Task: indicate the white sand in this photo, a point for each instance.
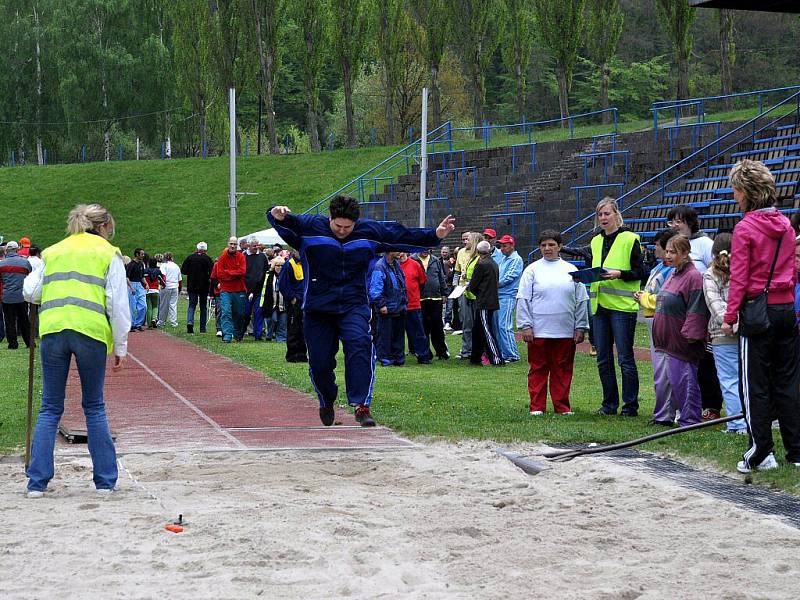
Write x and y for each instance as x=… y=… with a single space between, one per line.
x=441 y=521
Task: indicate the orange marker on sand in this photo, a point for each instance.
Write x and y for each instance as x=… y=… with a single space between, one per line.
x=173 y=528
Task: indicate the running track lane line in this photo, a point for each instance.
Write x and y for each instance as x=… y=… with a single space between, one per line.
x=217 y=427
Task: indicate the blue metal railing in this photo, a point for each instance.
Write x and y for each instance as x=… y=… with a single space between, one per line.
x=528 y=127
x=700 y=103
x=660 y=180
x=399 y=158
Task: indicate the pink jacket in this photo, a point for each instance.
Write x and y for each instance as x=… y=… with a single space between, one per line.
x=755 y=239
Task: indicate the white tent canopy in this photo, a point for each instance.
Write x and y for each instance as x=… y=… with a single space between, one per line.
x=268 y=237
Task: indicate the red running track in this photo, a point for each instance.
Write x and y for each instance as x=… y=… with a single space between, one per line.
x=173 y=396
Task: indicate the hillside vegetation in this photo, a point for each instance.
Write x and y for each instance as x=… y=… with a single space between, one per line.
x=171 y=205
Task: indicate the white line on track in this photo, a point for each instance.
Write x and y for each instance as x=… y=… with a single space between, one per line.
x=217 y=427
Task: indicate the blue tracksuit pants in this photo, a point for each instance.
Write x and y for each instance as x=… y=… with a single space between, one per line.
x=323 y=331
x=504 y=328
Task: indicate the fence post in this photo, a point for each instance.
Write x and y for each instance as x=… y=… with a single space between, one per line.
x=247 y=147
x=331 y=140
x=760 y=104
x=13 y=159
x=162 y=150
x=372 y=136
x=616 y=120
x=120 y=151
x=83 y=153
x=44 y=153
x=571 y=131
x=655 y=124
x=204 y=149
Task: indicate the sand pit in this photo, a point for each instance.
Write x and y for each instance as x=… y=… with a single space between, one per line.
x=439 y=521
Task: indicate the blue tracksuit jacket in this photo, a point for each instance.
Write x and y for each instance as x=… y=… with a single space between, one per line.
x=335 y=271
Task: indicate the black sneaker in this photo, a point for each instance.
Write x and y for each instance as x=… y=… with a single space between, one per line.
x=604 y=412
x=363 y=416
x=327 y=414
x=189 y=328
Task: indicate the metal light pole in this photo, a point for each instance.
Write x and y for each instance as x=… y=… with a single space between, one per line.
x=232 y=198
x=423 y=169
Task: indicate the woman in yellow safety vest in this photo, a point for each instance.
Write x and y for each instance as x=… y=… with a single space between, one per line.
x=614 y=307
x=84 y=312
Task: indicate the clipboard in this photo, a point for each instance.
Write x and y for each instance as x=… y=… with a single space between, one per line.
x=587 y=276
x=457 y=292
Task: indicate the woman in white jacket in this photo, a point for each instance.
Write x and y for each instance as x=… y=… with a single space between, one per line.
x=553 y=315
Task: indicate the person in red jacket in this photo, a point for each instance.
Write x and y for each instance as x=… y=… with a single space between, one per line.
x=415 y=280
x=230 y=270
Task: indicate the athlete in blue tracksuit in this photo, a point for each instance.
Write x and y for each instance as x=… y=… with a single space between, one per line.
x=335 y=253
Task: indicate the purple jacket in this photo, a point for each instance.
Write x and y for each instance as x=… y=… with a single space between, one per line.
x=681 y=319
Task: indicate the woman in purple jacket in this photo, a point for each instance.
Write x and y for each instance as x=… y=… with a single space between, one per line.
x=769 y=362
x=679 y=328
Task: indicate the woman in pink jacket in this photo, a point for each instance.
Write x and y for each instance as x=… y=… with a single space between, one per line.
x=770 y=361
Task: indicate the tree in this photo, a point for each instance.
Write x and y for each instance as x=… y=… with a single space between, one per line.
x=350 y=20
x=475 y=36
x=603 y=29
x=227 y=22
x=727 y=53
x=269 y=17
x=517 y=47
x=677 y=18
x=97 y=34
x=560 y=25
x=194 y=59
x=393 y=32
x=432 y=36
x=311 y=17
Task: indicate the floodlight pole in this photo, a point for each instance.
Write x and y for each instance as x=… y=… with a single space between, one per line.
x=423 y=168
x=232 y=199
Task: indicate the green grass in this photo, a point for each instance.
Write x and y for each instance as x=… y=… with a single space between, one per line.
x=171 y=205
x=14 y=399
x=451 y=400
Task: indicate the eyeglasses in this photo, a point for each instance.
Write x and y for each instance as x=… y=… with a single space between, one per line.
x=675 y=222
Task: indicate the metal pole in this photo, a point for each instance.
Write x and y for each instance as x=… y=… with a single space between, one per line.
x=232 y=170
x=31 y=358
x=423 y=171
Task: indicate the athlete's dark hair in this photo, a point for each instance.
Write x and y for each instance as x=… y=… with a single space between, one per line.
x=551 y=234
x=663 y=236
x=344 y=207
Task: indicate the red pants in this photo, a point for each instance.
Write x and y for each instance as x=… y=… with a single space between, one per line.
x=553 y=358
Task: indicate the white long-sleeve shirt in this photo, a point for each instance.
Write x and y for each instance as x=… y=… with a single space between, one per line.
x=117 y=308
x=550 y=302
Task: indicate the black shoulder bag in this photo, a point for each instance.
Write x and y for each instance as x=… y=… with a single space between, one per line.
x=753 y=317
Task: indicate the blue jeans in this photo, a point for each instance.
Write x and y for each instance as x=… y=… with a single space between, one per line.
x=232 y=315
x=138 y=304
x=90 y=355
x=196 y=298
x=504 y=328
x=726 y=358
x=278 y=320
x=616 y=328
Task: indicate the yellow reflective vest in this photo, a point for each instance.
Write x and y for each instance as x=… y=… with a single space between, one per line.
x=74 y=287
x=614 y=294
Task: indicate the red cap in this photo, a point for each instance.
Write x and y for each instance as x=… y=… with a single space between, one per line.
x=24 y=242
x=490 y=232
x=507 y=239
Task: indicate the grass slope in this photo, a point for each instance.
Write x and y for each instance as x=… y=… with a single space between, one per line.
x=171 y=205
